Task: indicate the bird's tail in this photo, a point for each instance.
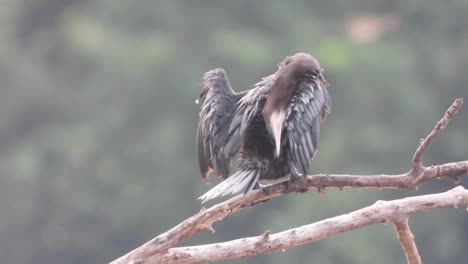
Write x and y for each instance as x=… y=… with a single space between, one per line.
x=241 y=180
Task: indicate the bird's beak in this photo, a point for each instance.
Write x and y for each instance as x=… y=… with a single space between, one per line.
x=276 y=127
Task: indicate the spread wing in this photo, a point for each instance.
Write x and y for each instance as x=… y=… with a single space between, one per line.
x=218 y=105
x=308 y=108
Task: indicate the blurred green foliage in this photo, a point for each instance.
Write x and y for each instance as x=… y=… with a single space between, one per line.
x=98 y=121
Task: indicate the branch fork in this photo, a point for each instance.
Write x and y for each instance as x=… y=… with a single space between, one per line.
x=161 y=249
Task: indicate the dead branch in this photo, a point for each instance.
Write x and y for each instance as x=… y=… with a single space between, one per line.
x=449 y=114
x=153 y=250
x=379 y=212
x=406 y=238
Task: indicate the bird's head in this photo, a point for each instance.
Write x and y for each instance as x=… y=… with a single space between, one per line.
x=302 y=67
x=294 y=70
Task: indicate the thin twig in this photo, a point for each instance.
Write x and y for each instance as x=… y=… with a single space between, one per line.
x=449 y=114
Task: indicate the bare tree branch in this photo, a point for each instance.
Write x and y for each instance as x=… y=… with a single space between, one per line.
x=406 y=238
x=379 y=212
x=153 y=250
x=206 y=217
x=449 y=114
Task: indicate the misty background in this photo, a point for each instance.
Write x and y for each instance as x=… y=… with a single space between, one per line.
x=98 y=120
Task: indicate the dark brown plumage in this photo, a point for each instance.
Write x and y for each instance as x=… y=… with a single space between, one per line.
x=299 y=67
x=275 y=125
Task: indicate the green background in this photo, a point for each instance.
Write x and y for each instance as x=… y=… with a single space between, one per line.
x=98 y=120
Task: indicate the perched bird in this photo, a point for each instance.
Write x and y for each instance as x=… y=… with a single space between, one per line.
x=275 y=126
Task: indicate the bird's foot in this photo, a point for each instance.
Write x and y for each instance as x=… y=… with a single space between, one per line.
x=288 y=185
x=293 y=182
x=265 y=188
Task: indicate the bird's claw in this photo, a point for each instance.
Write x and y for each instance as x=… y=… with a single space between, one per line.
x=265 y=189
x=290 y=183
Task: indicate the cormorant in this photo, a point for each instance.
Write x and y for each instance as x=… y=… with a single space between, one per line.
x=275 y=126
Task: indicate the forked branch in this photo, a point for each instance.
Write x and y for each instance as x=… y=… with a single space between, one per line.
x=160 y=249
x=379 y=212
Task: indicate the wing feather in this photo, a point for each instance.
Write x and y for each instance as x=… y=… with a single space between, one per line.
x=247 y=108
x=304 y=117
x=218 y=104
